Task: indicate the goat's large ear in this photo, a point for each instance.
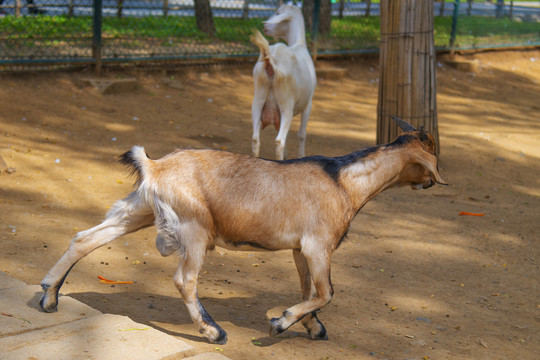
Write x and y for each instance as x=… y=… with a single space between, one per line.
x=405 y=126
x=429 y=162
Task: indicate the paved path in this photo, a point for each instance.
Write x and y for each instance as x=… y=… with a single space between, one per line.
x=77 y=331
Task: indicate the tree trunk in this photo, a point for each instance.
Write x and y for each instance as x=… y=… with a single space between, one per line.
x=325 y=19
x=499 y=9
x=441 y=10
x=245 y=10
x=325 y=16
x=407 y=86
x=203 y=15
x=165 y=8
x=119 y=8
x=307 y=10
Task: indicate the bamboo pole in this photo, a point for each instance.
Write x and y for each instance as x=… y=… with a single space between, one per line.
x=407 y=87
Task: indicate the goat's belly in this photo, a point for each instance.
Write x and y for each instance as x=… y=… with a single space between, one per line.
x=256 y=246
x=240 y=246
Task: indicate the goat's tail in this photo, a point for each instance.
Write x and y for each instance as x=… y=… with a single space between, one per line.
x=264 y=47
x=137 y=160
x=166 y=220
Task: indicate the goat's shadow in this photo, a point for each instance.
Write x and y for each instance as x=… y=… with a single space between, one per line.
x=152 y=309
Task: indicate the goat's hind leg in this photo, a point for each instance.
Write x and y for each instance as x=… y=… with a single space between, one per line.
x=259 y=99
x=315 y=328
x=285 y=125
x=302 y=131
x=186 y=278
x=126 y=216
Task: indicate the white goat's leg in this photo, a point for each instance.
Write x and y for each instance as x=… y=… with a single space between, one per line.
x=125 y=217
x=318 y=262
x=302 y=131
x=281 y=139
x=259 y=99
x=185 y=280
x=314 y=327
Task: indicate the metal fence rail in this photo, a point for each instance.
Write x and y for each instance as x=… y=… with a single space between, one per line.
x=61 y=32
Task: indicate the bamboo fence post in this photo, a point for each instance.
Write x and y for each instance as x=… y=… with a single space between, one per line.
x=407 y=86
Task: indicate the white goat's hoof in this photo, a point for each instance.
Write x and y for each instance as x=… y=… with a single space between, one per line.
x=49 y=299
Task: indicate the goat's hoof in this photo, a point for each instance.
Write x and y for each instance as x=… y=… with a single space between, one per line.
x=275 y=327
x=49 y=307
x=318 y=331
x=222 y=338
x=216 y=335
x=49 y=299
x=318 y=335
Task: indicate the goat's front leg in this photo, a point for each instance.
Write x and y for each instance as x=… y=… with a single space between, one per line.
x=318 y=263
x=314 y=327
x=303 y=130
x=126 y=216
x=185 y=280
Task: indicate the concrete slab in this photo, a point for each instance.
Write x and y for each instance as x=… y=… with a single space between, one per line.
x=103 y=337
x=20 y=311
x=7 y=281
x=463 y=64
x=208 y=356
x=172 y=83
x=112 y=86
x=330 y=73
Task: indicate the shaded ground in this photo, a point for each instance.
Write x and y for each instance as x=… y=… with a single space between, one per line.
x=414 y=280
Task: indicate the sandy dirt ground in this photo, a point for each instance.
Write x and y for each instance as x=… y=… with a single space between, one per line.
x=414 y=279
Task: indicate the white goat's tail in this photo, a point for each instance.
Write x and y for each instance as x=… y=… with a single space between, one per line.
x=137 y=160
x=264 y=47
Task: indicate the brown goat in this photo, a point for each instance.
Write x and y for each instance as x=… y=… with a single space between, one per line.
x=199 y=199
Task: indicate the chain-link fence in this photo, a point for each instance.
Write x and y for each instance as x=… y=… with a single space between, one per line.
x=61 y=32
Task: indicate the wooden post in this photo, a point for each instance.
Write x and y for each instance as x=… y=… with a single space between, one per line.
x=96 y=38
x=407 y=86
x=453 y=32
x=315 y=30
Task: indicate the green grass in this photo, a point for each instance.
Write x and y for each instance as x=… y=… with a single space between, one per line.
x=350 y=33
x=485 y=31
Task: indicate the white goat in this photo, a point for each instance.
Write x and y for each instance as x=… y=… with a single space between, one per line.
x=284 y=80
x=199 y=199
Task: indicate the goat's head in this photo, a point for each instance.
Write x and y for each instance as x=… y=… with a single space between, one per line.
x=420 y=171
x=277 y=25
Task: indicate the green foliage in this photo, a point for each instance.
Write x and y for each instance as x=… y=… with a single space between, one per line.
x=45 y=27
x=350 y=33
x=474 y=31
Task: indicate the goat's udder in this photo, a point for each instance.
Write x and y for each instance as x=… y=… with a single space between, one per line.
x=270 y=115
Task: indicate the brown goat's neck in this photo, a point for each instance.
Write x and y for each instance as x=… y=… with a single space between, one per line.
x=369 y=176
